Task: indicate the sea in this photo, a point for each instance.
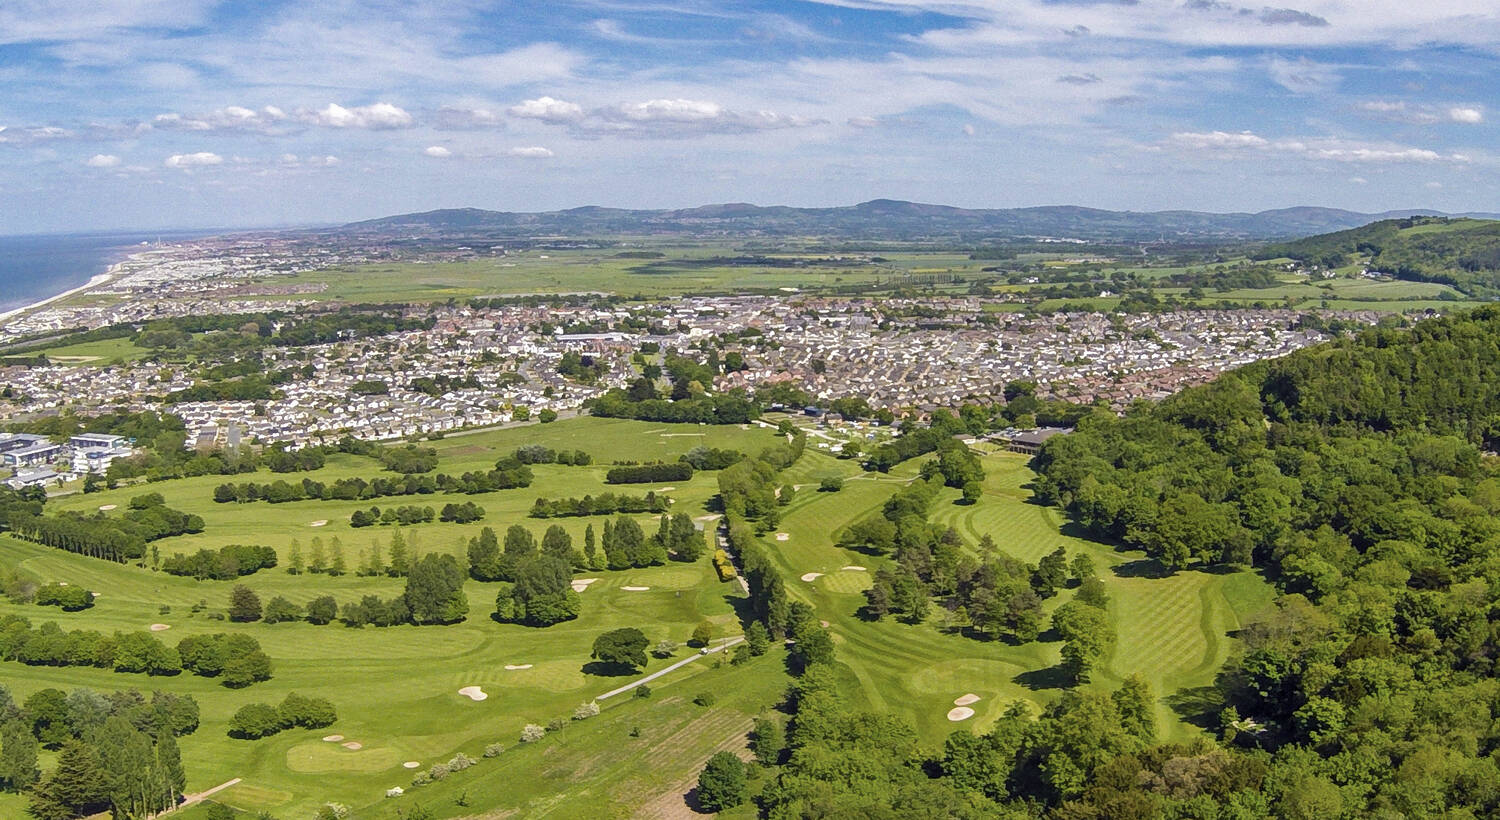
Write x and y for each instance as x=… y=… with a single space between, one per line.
x=33 y=268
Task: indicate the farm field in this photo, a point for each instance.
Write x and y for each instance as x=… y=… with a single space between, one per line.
x=397 y=689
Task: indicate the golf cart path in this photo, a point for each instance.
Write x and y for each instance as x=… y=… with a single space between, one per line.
x=684 y=662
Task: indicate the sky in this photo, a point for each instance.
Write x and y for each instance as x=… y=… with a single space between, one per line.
x=147 y=114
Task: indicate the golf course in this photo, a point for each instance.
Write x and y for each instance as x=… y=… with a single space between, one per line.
x=408 y=697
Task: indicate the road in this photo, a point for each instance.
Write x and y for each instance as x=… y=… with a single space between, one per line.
x=684 y=662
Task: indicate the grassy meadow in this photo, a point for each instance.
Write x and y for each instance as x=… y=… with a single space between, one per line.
x=396 y=689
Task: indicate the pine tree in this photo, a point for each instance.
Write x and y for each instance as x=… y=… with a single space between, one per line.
x=1134 y=700
x=377 y=561
x=294 y=563
x=76 y=787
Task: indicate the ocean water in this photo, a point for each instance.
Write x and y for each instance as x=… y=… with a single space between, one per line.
x=33 y=268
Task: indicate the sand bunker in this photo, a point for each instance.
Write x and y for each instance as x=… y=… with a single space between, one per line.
x=473 y=693
x=106 y=507
x=852 y=568
x=824 y=623
x=412 y=764
x=781 y=536
x=965 y=700
x=319 y=523
x=333 y=738
x=958 y=713
x=353 y=745
x=159 y=627
x=666 y=489
x=812 y=576
x=581 y=584
x=514 y=666
x=635 y=589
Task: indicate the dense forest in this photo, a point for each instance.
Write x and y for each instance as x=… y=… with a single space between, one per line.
x=1359 y=476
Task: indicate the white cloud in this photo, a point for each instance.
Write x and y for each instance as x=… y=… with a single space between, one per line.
x=1422 y=113
x=26 y=136
x=229 y=118
x=192 y=160
x=1359 y=180
x=968 y=129
x=864 y=122
x=1468 y=116
x=377 y=117
x=1319 y=148
x=530 y=151
x=547 y=109
x=437 y=151
x=451 y=118
x=102 y=161
x=1219 y=140
x=659 y=117
x=1433 y=186
x=311 y=161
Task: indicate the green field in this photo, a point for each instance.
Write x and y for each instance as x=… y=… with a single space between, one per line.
x=95 y=353
x=396 y=689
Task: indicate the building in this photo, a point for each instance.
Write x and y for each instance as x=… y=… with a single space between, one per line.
x=33 y=454
x=39 y=478
x=17 y=441
x=1031 y=441
x=99 y=441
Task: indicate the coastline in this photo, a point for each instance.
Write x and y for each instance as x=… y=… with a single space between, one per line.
x=100 y=279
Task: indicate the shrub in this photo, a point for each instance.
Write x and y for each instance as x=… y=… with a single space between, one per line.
x=642 y=691
x=556 y=724
x=420 y=779
x=586 y=710
x=532 y=733
x=460 y=762
x=705 y=699
x=494 y=749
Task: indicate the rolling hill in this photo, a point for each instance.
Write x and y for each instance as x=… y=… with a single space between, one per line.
x=876 y=219
x=1462 y=253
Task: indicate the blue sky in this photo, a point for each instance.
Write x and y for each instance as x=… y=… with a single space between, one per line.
x=189 y=113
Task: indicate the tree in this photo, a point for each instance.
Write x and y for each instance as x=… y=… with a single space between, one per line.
x=1137 y=708
x=703 y=633
x=1082 y=567
x=318 y=562
x=17 y=756
x=75 y=788
x=722 y=784
x=336 y=564
x=484 y=557
x=621 y=647
x=400 y=562
x=1051 y=573
x=435 y=590
x=294 y=559
x=255 y=720
x=244 y=604
x=279 y=609
x=1086 y=635
x=830 y=484
x=557 y=543
x=767 y=740
x=322 y=610
x=243 y=670
x=589 y=549
x=972 y=491
x=757 y=638
x=811 y=644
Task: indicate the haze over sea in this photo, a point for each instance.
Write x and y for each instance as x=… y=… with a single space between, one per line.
x=33 y=268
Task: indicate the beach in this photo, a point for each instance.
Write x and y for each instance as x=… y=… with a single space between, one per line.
x=103 y=278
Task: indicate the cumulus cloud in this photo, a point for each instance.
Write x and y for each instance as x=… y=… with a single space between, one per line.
x=102 y=161
x=1321 y=148
x=548 y=110
x=377 y=117
x=437 y=151
x=193 y=160
x=530 y=151
x=229 y=118
x=1468 y=116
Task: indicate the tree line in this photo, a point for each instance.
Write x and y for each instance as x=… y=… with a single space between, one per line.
x=237 y=660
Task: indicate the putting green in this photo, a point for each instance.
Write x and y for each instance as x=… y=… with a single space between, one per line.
x=317 y=757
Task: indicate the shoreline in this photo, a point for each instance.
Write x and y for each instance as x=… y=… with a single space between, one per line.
x=99 y=279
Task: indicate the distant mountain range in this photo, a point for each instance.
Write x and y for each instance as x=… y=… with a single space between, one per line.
x=882 y=219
